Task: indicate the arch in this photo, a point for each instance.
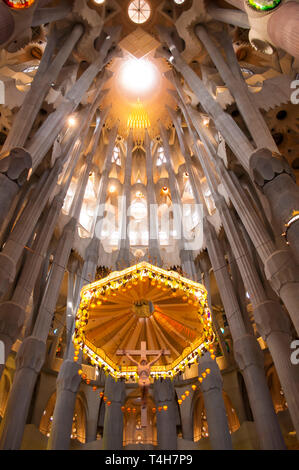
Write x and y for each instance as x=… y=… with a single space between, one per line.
x=200 y=423
x=79 y=419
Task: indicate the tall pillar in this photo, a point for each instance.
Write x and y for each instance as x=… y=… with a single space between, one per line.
x=67 y=385
x=211 y=388
x=231 y=75
x=68 y=380
x=48 y=304
x=275 y=179
x=186 y=254
x=46 y=74
x=29 y=361
x=282 y=28
x=113 y=423
x=281 y=174
x=166 y=420
x=249 y=357
x=152 y=213
x=280 y=268
x=268 y=314
x=124 y=249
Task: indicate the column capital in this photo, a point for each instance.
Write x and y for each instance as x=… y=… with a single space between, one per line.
x=248 y=352
x=68 y=377
x=163 y=391
x=281 y=269
x=266 y=166
x=31 y=354
x=12 y=317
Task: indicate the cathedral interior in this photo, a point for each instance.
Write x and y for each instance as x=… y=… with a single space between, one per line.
x=149 y=205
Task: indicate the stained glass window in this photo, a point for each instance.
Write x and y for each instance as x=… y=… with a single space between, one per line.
x=139 y=11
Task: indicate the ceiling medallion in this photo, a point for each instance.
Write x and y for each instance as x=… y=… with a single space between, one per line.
x=139 y=11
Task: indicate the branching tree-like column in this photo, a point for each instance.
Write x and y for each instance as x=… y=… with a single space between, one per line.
x=272 y=174
x=164 y=394
x=280 y=267
x=17 y=164
x=211 y=388
x=68 y=380
x=124 y=249
x=46 y=75
x=247 y=351
x=271 y=319
x=152 y=214
x=113 y=423
x=43 y=322
x=186 y=254
x=232 y=76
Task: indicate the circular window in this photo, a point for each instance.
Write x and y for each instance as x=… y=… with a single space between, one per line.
x=264 y=5
x=139 y=11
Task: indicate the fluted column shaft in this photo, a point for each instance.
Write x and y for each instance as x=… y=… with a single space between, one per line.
x=124 y=249
x=231 y=75
x=47 y=74
x=280 y=268
x=211 y=388
x=247 y=351
x=166 y=420
x=113 y=423
x=152 y=213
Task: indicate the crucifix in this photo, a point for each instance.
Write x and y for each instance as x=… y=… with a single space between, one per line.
x=143 y=371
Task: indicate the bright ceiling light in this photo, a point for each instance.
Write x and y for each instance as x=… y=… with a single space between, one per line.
x=138 y=76
x=71 y=121
x=99 y=2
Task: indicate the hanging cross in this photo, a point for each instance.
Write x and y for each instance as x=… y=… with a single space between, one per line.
x=143 y=370
x=143 y=352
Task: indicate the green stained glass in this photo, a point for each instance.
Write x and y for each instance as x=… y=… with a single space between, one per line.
x=264 y=5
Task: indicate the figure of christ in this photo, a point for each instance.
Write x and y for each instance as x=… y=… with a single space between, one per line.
x=143 y=369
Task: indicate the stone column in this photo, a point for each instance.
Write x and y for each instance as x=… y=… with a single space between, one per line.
x=234 y=17
x=280 y=268
x=46 y=74
x=113 y=424
x=124 y=249
x=269 y=315
x=29 y=361
x=49 y=15
x=249 y=357
x=211 y=388
x=275 y=179
x=231 y=75
x=14 y=246
x=166 y=420
x=239 y=143
x=48 y=303
x=68 y=382
x=282 y=28
x=152 y=213
x=186 y=254
x=68 y=379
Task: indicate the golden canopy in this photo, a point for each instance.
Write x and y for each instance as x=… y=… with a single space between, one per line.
x=148 y=304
